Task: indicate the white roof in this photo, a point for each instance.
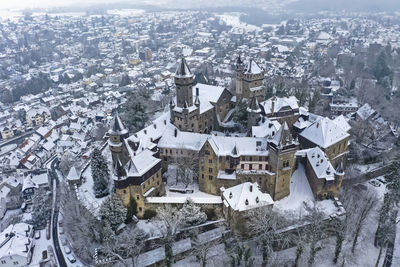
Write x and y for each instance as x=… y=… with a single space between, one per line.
x=365 y=111
x=73 y=174
x=267 y=128
x=252 y=68
x=324 y=133
x=141 y=163
x=17 y=244
x=207 y=94
x=275 y=104
x=246 y=196
x=252 y=146
x=341 y=121
x=183 y=140
x=323 y=169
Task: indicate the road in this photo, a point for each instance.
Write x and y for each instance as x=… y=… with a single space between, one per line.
x=17 y=139
x=54 y=221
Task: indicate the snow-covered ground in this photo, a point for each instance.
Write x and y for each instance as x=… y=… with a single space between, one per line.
x=300 y=193
x=86 y=192
x=233 y=19
x=41 y=245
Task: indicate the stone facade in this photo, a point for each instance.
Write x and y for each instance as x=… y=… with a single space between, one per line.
x=249 y=80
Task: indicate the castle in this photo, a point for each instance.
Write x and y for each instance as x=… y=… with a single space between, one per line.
x=281 y=135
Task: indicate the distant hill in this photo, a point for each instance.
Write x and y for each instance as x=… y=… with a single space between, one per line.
x=309 y=6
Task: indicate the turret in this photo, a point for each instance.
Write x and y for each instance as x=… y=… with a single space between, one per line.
x=253 y=113
x=184 y=83
x=117 y=134
x=239 y=71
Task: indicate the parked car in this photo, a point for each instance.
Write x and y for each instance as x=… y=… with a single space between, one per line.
x=63 y=241
x=71 y=258
x=67 y=249
x=37 y=234
x=374 y=183
x=382 y=180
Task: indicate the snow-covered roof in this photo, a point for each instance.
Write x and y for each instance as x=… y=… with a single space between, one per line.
x=252 y=68
x=365 y=111
x=182 y=70
x=117 y=127
x=275 y=104
x=320 y=163
x=324 y=133
x=141 y=163
x=226 y=145
x=341 y=121
x=246 y=196
x=182 y=140
x=267 y=128
x=17 y=243
x=73 y=174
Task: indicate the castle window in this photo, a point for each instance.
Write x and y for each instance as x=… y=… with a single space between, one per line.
x=140 y=208
x=202 y=168
x=202 y=176
x=137 y=197
x=209 y=169
x=207 y=152
x=266 y=167
x=158 y=182
x=124 y=191
x=210 y=161
x=250 y=166
x=251 y=158
x=210 y=177
x=260 y=166
x=242 y=166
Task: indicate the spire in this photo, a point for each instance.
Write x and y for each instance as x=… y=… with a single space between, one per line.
x=171 y=103
x=117 y=127
x=283 y=137
x=183 y=69
x=197 y=99
x=239 y=60
x=235 y=151
x=254 y=106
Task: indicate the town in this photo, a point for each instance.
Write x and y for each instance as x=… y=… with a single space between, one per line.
x=178 y=138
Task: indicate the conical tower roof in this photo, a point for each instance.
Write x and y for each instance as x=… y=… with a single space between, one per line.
x=183 y=69
x=117 y=127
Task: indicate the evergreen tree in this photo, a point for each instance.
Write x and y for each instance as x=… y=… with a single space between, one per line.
x=113 y=211
x=135 y=116
x=41 y=208
x=191 y=214
x=100 y=173
x=131 y=210
x=240 y=114
x=125 y=80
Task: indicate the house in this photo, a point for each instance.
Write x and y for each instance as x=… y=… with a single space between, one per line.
x=32 y=182
x=239 y=200
x=74 y=177
x=16 y=245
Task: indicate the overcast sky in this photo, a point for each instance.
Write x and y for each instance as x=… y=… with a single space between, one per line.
x=18 y=4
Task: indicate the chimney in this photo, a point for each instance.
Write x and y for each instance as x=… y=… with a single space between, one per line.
x=317 y=124
x=155 y=126
x=145 y=131
x=251 y=188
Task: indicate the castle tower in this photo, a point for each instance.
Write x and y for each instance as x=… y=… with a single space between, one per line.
x=281 y=158
x=117 y=134
x=239 y=71
x=252 y=81
x=253 y=113
x=184 y=83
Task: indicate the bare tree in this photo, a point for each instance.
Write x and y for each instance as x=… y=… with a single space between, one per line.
x=315 y=229
x=201 y=250
x=169 y=219
x=186 y=169
x=126 y=247
x=81 y=227
x=358 y=206
x=264 y=225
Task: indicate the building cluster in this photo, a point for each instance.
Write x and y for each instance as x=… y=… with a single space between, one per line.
x=263 y=161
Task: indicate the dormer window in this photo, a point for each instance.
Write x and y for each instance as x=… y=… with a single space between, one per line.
x=257 y=200
x=230 y=195
x=246 y=202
